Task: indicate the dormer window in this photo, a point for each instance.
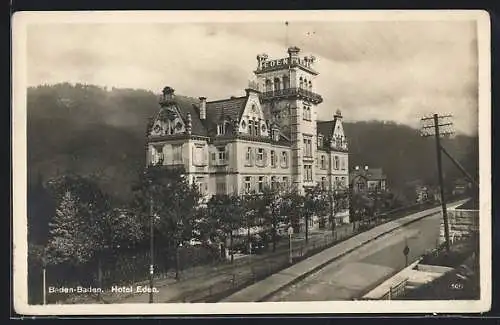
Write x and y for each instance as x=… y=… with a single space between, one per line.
x=320 y=140
x=220 y=129
x=275 y=134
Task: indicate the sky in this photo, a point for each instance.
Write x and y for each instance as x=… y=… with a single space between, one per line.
x=393 y=70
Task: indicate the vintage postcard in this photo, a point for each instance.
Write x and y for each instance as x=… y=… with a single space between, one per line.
x=251 y=162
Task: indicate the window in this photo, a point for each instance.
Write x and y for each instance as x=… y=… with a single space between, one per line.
x=310 y=85
x=220 y=187
x=285 y=181
x=273 y=158
x=248 y=184
x=361 y=185
x=221 y=155
x=199 y=156
x=156 y=156
x=261 y=184
x=301 y=83
x=248 y=157
x=286 y=82
x=307 y=173
x=274 y=183
x=275 y=135
x=338 y=142
x=201 y=184
x=269 y=85
x=343 y=182
x=277 y=85
x=320 y=141
x=307 y=146
x=307 y=113
x=323 y=183
x=336 y=162
x=221 y=129
x=284 y=159
x=323 y=162
x=250 y=127
x=336 y=182
x=260 y=154
x=177 y=153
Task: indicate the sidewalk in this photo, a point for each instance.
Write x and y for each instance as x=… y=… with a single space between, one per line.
x=262 y=290
x=200 y=281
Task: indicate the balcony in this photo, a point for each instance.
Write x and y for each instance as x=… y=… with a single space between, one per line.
x=292 y=92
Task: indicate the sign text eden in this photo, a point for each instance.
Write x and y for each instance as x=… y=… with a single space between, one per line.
x=278 y=62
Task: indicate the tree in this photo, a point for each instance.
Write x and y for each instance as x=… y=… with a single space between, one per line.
x=225 y=215
x=291 y=207
x=270 y=202
x=250 y=204
x=313 y=204
x=165 y=197
x=68 y=236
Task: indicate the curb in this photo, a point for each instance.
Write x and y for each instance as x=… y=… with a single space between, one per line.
x=322 y=265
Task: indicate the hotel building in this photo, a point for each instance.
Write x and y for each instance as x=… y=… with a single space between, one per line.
x=269 y=137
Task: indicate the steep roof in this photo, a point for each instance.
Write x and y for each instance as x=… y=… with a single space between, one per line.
x=326 y=127
x=372 y=174
x=231 y=108
x=191 y=105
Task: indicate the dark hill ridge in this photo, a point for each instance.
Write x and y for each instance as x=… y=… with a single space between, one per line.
x=87 y=129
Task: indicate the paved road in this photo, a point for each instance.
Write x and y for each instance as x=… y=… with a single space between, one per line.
x=353 y=275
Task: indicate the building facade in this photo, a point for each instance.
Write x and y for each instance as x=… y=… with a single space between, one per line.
x=268 y=137
x=368 y=180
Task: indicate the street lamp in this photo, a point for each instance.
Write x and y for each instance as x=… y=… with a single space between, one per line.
x=290 y=233
x=177 y=260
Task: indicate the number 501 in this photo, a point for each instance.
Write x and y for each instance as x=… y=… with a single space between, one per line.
x=456 y=286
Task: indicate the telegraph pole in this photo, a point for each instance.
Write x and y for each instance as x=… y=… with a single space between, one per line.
x=433 y=129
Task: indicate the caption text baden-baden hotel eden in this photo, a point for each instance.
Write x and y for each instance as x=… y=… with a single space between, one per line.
x=268 y=137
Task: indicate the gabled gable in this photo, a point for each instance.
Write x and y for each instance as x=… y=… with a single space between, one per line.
x=168 y=121
x=253 y=115
x=181 y=107
x=338 y=130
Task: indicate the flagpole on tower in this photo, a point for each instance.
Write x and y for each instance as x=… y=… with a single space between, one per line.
x=286 y=34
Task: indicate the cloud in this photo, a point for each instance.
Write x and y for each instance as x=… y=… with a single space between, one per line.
x=383 y=70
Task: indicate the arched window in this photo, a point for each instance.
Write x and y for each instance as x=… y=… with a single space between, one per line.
x=250 y=127
x=277 y=84
x=305 y=84
x=336 y=162
x=269 y=85
x=310 y=85
x=286 y=82
x=301 y=83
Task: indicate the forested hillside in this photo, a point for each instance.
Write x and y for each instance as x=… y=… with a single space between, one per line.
x=85 y=129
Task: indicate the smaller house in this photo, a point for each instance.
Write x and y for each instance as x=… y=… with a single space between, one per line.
x=368 y=180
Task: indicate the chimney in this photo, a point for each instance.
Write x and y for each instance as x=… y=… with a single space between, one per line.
x=203 y=108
